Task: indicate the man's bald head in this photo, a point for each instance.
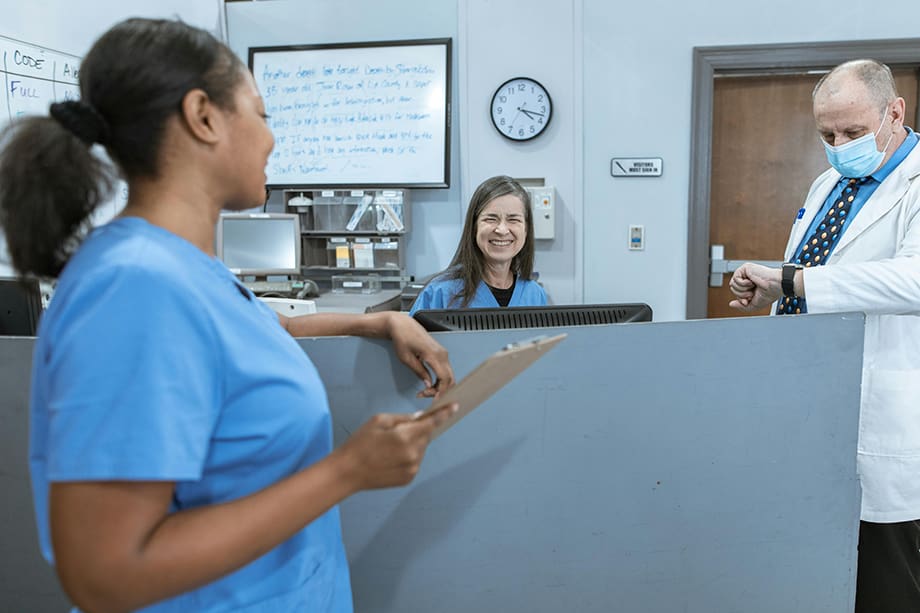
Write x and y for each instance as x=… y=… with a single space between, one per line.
x=874 y=77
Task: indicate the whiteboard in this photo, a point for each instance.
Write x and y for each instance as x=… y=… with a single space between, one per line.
x=34 y=77
x=357 y=115
x=59 y=29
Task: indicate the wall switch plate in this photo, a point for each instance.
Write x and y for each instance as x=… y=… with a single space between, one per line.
x=543 y=205
x=636 y=238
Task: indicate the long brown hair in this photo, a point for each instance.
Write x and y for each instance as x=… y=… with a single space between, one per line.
x=468 y=262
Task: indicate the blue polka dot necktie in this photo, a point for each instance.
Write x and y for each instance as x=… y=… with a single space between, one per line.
x=819 y=245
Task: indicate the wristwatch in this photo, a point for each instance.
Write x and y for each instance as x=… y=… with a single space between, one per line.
x=788 y=282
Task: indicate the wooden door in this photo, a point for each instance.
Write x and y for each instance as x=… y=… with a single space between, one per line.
x=765 y=155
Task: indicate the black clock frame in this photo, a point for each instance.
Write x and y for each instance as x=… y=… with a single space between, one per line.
x=549 y=117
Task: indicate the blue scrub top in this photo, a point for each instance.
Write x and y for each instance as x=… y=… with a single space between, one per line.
x=443 y=293
x=153 y=363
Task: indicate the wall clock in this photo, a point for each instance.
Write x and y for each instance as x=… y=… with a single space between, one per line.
x=521 y=109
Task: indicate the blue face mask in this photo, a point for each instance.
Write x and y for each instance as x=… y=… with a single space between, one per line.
x=857 y=158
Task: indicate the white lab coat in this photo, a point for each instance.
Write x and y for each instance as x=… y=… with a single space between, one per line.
x=875 y=268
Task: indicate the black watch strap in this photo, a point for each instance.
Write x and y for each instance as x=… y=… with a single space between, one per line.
x=788 y=282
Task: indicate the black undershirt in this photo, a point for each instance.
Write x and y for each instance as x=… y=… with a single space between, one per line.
x=503 y=296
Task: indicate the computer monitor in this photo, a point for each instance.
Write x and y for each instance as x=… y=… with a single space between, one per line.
x=437 y=320
x=20 y=307
x=259 y=244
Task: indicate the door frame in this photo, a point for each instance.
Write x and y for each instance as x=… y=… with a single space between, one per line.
x=755 y=60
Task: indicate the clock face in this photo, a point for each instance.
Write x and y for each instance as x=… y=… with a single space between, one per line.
x=521 y=109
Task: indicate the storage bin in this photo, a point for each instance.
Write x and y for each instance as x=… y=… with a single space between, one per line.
x=386 y=253
x=338 y=253
x=355 y=284
x=362 y=253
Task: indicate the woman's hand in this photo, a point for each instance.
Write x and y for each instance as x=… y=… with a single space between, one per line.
x=388 y=449
x=413 y=345
x=420 y=352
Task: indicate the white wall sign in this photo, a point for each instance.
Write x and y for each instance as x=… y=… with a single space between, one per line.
x=635 y=167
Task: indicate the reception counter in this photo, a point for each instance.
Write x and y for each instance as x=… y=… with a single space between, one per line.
x=651 y=467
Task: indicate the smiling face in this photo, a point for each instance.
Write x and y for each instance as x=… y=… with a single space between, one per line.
x=501 y=230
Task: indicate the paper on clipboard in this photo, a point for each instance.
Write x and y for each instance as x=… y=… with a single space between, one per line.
x=490 y=376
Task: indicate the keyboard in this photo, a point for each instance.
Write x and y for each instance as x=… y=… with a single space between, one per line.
x=271 y=287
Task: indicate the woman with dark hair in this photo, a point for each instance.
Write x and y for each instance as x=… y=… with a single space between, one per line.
x=181 y=447
x=494 y=261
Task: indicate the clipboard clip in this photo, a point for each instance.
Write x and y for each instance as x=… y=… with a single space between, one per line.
x=491 y=375
x=531 y=341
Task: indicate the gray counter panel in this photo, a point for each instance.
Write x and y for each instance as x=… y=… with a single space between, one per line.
x=27 y=583
x=637 y=467
x=642 y=467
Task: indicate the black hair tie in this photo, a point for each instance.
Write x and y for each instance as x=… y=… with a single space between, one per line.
x=82 y=120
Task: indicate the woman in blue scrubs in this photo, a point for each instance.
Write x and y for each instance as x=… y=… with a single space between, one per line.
x=494 y=261
x=181 y=447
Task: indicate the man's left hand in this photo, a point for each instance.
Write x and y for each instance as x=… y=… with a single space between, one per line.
x=755 y=287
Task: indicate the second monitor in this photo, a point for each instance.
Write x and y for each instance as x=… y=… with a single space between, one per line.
x=260 y=244
x=20 y=307
x=255 y=246
x=435 y=320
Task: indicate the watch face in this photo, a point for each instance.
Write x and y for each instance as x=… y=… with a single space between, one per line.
x=521 y=109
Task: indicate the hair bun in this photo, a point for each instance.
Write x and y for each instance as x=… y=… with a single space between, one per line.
x=82 y=120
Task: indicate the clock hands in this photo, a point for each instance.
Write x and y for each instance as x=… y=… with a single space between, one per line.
x=511 y=112
x=530 y=113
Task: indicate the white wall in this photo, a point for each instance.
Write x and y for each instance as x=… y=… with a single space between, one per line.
x=72 y=25
x=480 y=32
x=502 y=40
x=637 y=95
x=620 y=76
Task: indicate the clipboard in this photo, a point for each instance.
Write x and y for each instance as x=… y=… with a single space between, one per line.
x=490 y=376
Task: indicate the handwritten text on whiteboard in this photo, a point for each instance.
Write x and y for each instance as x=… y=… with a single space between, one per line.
x=356 y=115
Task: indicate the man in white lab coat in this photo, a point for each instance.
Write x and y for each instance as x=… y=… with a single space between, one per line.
x=856 y=247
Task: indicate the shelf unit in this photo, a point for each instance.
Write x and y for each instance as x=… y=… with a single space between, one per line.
x=357 y=233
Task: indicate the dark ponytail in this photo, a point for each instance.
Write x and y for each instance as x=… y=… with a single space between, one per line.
x=50 y=182
x=131 y=82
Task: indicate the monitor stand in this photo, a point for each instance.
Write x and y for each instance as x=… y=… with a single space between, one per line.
x=261 y=286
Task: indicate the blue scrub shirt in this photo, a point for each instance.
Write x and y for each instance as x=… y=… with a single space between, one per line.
x=442 y=294
x=153 y=363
